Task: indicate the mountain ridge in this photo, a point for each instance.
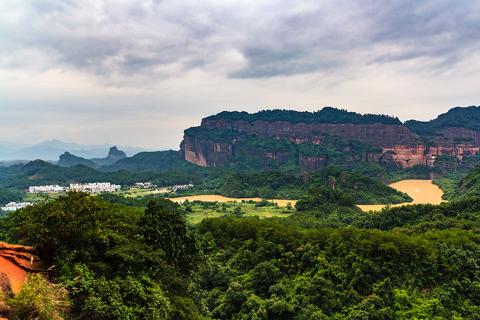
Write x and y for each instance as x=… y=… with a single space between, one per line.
x=49 y=150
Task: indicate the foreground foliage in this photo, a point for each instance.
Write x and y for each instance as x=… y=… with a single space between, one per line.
x=116 y=262
x=326 y=261
x=40 y=300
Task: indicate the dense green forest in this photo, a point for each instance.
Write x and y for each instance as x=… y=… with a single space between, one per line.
x=463 y=186
x=323 y=262
x=281 y=185
x=225 y=181
x=8 y=195
x=325 y=115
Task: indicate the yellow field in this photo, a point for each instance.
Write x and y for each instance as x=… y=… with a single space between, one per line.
x=421 y=191
x=218 y=198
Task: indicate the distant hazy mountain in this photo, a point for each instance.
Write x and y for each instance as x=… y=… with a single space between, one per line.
x=51 y=149
x=113 y=156
x=69 y=160
x=151 y=161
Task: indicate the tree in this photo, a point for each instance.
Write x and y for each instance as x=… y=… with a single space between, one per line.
x=163 y=227
x=237 y=211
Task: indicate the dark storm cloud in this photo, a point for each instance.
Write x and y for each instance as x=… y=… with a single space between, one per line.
x=273 y=38
x=381 y=31
x=446 y=30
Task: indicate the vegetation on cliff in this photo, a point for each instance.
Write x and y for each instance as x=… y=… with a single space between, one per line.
x=464 y=186
x=250 y=152
x=325 y=115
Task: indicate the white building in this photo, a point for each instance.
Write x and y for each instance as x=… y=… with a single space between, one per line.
x=177 y=187
x=95 y=187
x=45 y=189
x=13 y=206
x=144 y=185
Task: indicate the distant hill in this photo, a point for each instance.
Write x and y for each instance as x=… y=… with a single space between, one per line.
x=151 y=161
x=113 y=156
x=458 y=117
x=39 y=172
x=69 y=160
x=49 y=150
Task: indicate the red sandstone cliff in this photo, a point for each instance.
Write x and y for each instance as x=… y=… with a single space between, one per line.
x=15 y=262
x=376 y=134
x=396 y=142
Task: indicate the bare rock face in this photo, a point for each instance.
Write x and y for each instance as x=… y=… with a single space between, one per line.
x=16 y=262
x=206 y=153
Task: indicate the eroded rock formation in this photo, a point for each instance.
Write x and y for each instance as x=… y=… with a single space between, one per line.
x=16 y=262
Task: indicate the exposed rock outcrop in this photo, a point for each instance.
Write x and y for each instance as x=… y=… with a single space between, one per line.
x=16 y=262
x=206 y=153
x=114 y=154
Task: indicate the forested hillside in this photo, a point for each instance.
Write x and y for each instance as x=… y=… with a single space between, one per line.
x=467 y=117
x=416 y=262
x=281 y=185
x=39 y=172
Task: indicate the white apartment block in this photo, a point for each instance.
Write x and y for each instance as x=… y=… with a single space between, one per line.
x=177 y=187
x=13 y=206
x=46 y=189
x=144 y=185
x=95 y=187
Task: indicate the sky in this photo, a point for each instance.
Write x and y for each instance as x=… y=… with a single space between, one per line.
x=139 y=72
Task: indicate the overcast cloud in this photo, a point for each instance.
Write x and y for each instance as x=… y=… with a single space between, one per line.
x=139 y=72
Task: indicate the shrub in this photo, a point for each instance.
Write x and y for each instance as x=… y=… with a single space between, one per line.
x=40 y=300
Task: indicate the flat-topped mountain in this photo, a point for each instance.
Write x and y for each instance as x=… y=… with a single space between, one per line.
x=313 y=140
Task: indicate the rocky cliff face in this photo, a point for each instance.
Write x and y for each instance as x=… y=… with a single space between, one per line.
x=376 y=134
x=16 y=262
x=206 y=153
x=394 y=142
